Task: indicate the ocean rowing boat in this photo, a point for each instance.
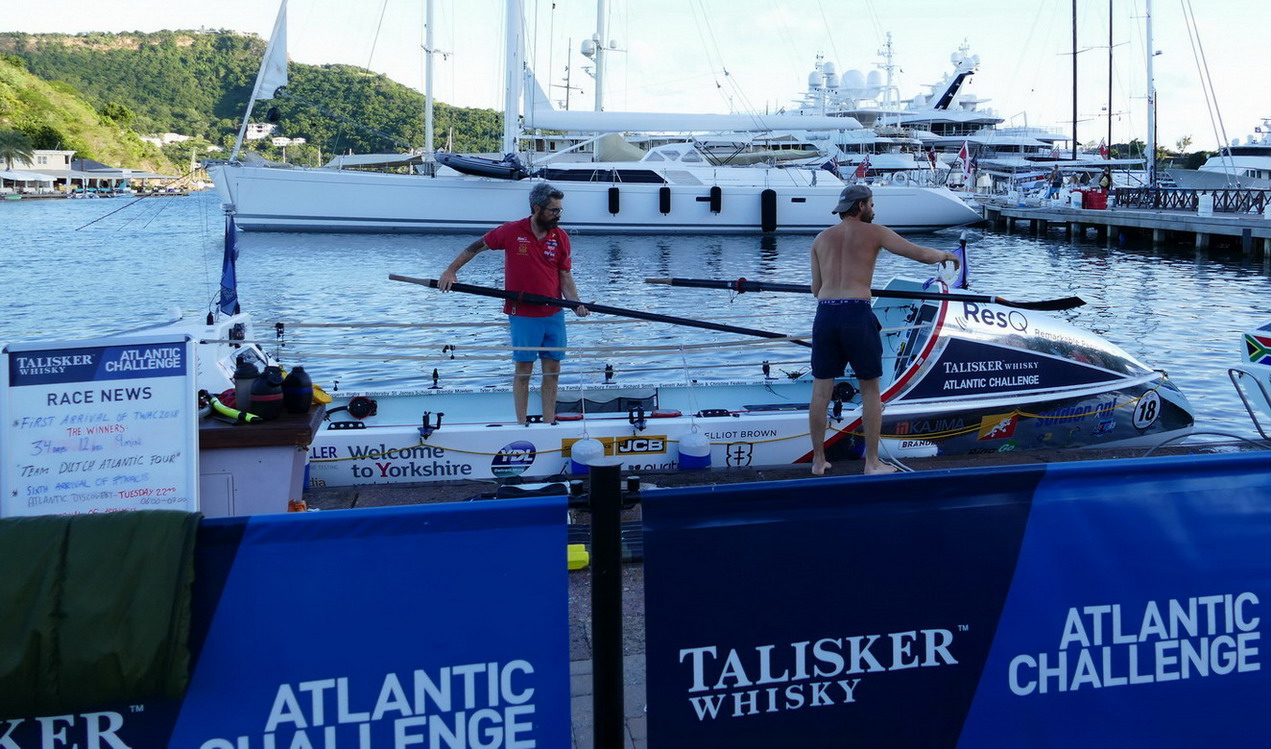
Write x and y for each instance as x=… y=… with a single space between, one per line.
x=961 y=377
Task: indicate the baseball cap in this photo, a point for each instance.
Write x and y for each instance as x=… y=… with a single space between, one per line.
x=850 y=195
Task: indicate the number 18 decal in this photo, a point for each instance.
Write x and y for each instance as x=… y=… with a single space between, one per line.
x=1147 y=410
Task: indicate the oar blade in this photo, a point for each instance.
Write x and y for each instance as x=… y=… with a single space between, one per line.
x=1045 y=305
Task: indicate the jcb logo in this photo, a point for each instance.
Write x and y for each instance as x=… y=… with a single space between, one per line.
x=639 y=445
x=623 y=445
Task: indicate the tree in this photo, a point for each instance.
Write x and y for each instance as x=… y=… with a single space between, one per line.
x=15 y=146
x=1184 y=143
x=117 y=113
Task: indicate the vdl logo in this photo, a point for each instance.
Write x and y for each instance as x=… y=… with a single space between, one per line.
x=513 y=459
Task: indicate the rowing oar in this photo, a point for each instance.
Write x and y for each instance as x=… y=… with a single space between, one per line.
x=528 y=298
x=742 y=285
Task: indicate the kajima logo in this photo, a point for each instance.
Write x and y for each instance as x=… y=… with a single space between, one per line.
x=513 y=459
x=735 y=683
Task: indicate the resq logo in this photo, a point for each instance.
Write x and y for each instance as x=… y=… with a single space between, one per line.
x=513 y=459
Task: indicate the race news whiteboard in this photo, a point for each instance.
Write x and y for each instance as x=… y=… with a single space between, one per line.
x=100 y=425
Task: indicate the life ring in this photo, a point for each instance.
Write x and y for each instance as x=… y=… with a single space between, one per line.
x=900 y=178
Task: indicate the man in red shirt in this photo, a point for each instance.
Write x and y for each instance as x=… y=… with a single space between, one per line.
x=536 y=259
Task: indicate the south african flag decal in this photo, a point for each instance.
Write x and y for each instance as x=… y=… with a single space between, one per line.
x=1258 y=349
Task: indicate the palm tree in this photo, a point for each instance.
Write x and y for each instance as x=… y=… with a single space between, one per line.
x=15 y=145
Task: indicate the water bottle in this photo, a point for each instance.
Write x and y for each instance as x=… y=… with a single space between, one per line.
x=297 y=391
x=266 y=400
x=244 y=377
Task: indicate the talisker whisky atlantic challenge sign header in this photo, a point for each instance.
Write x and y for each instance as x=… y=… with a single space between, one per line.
x=98 y=426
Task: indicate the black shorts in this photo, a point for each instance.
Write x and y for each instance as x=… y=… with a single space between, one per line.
x=846 y=332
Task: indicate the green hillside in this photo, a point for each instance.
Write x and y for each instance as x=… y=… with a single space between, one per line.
x=198 y=83
x=55 y=116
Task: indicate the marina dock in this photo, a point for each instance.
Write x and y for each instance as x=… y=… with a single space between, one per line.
x=1162 y=216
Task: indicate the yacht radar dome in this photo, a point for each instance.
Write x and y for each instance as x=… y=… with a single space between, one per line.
x=854 y=80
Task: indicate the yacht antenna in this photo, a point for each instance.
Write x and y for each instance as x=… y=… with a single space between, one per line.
x=889 y=67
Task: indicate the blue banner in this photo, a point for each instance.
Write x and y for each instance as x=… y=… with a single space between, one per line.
x=67 y=365
x=436 y=625
x=1101 y=603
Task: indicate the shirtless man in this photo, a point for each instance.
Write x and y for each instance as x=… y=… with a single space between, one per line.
x=845 y=330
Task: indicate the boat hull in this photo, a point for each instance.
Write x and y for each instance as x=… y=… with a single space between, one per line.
x=330 y=200
x=763 y=434
x=1212 y=179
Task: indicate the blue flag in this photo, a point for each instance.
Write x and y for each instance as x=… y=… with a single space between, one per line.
x=229 y=278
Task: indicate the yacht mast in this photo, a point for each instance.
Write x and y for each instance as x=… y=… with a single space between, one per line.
x=429 y=50
x=1109 y=141
x=602 y=12
x=1074 y=80
x=891 y=96
x=512 y=75
x=1151 y=104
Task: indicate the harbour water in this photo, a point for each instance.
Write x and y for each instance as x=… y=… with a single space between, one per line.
x=79 y=269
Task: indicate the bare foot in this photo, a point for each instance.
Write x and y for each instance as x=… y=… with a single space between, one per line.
x=819 y=467
x=881 y=468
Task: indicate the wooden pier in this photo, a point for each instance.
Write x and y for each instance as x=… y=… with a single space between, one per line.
x=1178 y=220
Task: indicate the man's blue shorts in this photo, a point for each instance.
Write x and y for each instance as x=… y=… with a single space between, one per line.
x=844 y=332
x=538 y=331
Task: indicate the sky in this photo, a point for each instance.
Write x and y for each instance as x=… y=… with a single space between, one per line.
x=755 y=55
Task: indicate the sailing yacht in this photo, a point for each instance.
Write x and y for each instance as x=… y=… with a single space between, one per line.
x=671 y=188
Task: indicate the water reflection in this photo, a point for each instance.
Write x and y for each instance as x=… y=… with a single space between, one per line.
x=1172 y=307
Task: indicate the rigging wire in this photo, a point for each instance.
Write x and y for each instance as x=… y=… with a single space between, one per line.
x=1206 y=82
x=834 y=47
x=375 y=39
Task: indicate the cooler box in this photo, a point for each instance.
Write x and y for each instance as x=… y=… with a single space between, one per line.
x=1094 y=199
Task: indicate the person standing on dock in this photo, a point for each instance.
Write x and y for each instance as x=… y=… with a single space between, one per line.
x=536 y=260
x=845 y=329
x=1056 y=183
